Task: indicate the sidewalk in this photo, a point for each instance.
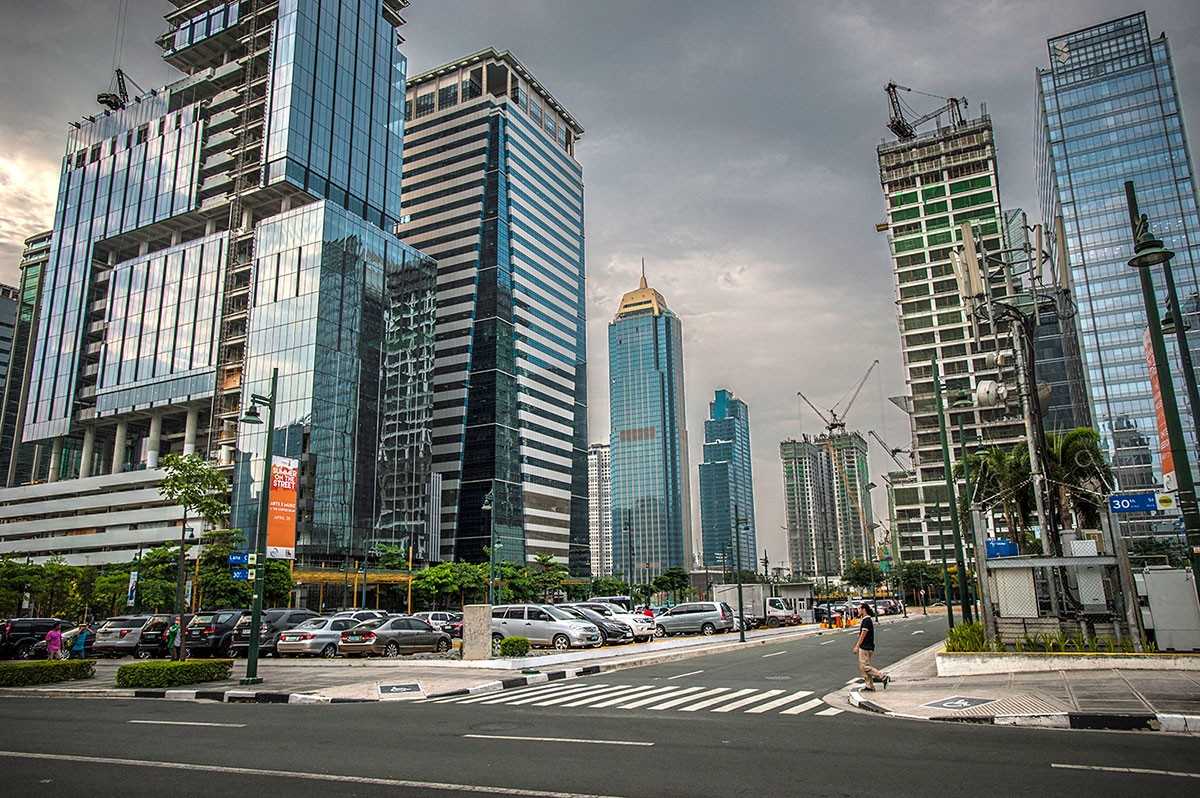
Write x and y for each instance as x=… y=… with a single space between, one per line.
x=1097 y=699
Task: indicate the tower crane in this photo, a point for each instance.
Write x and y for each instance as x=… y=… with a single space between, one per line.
x=834 y=422
x=892 y=451
x=906 y=130
x=117 y=100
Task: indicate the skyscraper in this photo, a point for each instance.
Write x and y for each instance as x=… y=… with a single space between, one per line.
x=727 y=485
x=1108 y=111
x=651 y=501
x=18 y=460
x=933 y=182
x=827 y=502
x=600 y=509
x=231 y=222
x=493 y=192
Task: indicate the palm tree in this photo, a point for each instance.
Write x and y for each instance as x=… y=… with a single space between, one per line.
x=1001 y=476
x=1080 y=474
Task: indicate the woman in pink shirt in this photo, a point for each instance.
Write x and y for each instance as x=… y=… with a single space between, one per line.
x=54 y=642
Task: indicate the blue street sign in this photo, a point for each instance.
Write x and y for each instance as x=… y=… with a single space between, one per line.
x=241 y=573
x=239 y=559
x=1133 y=503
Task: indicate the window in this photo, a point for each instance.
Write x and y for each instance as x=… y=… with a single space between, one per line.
x=447 y=96
x=425 y=105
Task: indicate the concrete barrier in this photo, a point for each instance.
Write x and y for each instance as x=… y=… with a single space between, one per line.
x=964 y=663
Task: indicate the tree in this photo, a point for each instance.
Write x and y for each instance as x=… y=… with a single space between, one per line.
x=1081 y=476
x=859 y=574
x=674 y=580
x=915 y=575
x=218 y=589
x=196 y=486
x=1001 y=476
x=609 y=586
x=548 y=577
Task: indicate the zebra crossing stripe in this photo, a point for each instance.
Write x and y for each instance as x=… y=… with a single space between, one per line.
x=754 y=699
x=573 y=691
x=644 y=691
x=655 y=695
x=717 y=700
x=508 y=695
x=807 y=705
x=627 y=692
x=458 y=699
x=598 y=689
x=780 y=702
x=674 y=702
x=828 y=713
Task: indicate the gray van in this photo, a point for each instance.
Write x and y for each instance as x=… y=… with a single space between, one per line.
x=704 y=617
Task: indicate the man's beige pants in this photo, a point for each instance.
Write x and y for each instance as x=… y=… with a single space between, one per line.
x=864 y=666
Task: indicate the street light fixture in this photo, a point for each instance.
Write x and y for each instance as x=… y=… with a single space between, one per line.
x=489 y=505
x=251 y=416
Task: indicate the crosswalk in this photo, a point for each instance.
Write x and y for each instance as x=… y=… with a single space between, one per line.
x=651 y=697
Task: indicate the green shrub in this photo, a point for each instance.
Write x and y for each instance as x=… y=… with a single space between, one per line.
x=24 y=674
x=173 y=674
x=514 y=647
x=967 y=637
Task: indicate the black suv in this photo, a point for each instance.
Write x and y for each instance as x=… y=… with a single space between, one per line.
x=19 y=635
x=273 y=622
x=210 y=633
x=153 y=642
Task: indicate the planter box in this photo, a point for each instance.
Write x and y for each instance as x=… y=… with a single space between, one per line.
x=983 y=663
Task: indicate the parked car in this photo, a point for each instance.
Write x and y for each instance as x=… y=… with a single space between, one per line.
x=437 y=618
x=641 y=624
x=612 y=631
x=68 y=639
x=543 y=625
x=153 y=640
x=315 y=637
x=705 y=617
x=454 y=627
x=210 y=633
x=19 y=635
x=273 y=623
x=118 y=637
x=391 y=637
x=360 y=615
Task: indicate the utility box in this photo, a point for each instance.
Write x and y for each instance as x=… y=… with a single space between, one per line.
x=1172 y=608
x=1016 y=596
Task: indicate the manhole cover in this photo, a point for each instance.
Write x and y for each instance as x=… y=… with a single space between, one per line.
x=497 y=727
x=778 y=678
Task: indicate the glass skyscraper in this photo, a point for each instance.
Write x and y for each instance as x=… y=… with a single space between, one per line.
x=727 y=486
x=1108 y=111
x=492 y=190
x=651 y=496
x=236 y=220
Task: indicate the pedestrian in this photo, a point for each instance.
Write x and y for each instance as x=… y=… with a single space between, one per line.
x=649 y=613
x=865 y=647
x=54 y=642
x=80 y=641
x=175 y=639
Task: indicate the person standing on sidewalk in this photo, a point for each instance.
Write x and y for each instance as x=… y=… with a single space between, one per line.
x=79 y=644
x=175 y=639
x=865 y=648
x=54 y=642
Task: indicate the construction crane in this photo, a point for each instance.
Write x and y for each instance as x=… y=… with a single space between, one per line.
x=834 y=422
x=906 y=130
x=892 y=451
x=117 y=100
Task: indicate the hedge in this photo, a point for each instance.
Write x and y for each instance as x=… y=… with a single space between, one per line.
x=173 y=674
x=514 y=647
x=23 y=674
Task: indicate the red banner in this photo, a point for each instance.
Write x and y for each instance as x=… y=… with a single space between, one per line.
x=1164 y=442
x=281 y=508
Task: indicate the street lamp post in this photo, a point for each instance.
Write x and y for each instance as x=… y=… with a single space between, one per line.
x=185 y=539
x=251 y=416
x=489 y=504
x=737 y=548
x=945 y=572
x=1148 y=252
x=959 y=557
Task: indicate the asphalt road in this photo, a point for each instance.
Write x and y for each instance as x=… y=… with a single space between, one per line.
x=666 y=730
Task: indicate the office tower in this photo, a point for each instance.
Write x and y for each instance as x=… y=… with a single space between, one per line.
x=1058 y=362
x=651 y=495
x=234 y=221
x=1108 y=111
x=9 y=301
x=933 y=182
x=18 y=460
x=727 y=486
x=827 y=500
x=600 y=509
x=493 y=192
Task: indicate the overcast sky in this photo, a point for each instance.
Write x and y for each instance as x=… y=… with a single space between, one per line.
x=731 y=145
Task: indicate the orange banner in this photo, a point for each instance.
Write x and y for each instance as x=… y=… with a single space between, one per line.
x=1164 y=442
x=281 y=508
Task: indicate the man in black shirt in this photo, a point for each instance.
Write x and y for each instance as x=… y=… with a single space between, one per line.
x=865 y=647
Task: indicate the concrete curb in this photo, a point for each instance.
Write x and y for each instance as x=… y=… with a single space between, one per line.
x=1114 y=721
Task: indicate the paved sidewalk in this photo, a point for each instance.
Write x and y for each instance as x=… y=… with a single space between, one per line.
x=1099 y=699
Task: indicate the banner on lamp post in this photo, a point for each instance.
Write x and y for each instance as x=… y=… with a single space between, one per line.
x=131 y=593
x=281 y=508
x=1164 y=444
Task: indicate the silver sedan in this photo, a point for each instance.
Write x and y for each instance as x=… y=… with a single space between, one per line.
x=316 y=637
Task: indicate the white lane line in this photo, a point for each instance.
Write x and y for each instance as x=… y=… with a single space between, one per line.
x=754 y=699
x=291 y=774
x=554 y=739
x=708 y=702
x=651 y=697
x=827 y=642
x=776 y=654
x=1133 y=771
x=692 y=696
x=779 y=702
x=189 y=723
x=805 y=707
x=681 y=675
x=662 y=691
x=828 y=713
x=599 y=689
x=621 y=690
x=919 y=632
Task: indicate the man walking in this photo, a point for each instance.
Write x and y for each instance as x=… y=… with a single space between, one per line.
x=865 y=647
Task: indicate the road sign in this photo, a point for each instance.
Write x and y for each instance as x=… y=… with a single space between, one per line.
x=1133 y=503
x=1165 y=501
x=242 y=574
x=239 y=558
x=959 y=702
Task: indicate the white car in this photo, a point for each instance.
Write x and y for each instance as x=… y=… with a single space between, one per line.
x=437 y=618
x=643 y=626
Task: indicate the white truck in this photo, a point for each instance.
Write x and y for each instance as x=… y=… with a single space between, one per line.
x=758 y=605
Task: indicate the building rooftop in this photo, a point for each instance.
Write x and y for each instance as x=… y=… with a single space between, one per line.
x=644 y=298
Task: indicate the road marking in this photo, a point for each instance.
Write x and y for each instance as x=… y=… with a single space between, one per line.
x=806 y=706
x=571 y=692
x=681 y=675
x=508 y=696
x=627 y=692
x=708 y=702
x=655 y=695
x=594 y=690
x=827 y=642
x=919 y=632
x=661 y=691
x=776 y=654
x=1133 y=771
x=826 y=713
x=188 y=723
x=779 y=702
x=693 y=696
x=754 y=699
x=458 y=699
x=289 y=774
x=554 y=739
